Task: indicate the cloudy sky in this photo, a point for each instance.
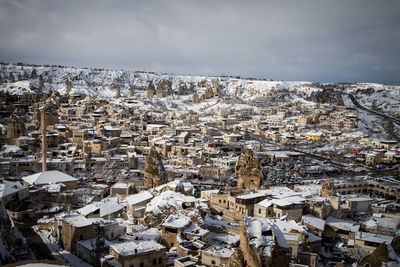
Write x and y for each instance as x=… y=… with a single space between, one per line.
x=315 y=40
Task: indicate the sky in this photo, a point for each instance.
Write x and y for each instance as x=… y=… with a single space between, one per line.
x=307 y=40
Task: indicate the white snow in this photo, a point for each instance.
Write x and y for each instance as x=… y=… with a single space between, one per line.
x=219 y=251
x=133 y=247
x=77 y=220
x=48 y=177
x=139 y=198
x=348 y=225
x=263 y=233
x=167 y=199
x=178 y=220
x=365 y=236
x=314 y=221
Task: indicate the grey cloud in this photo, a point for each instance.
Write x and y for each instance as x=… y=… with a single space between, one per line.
x=292 y=40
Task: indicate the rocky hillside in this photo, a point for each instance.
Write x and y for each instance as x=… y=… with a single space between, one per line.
x=102 y=83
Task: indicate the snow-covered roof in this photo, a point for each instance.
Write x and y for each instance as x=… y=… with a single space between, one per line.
x=386 y=224
x=106 y=207
x=139 y=198
x=77 y=220
x=219 y=251
x=263 y=234
x=122 y=185
x=178 y=220
x=147 y=234
x=48 y=177
x=168 y=199
x=365 y=236
x=135 y=247
x=209 y=192
x=289 y=226
x=348 y=225
x=314 y=221
x=10 y=188
x=282 y=202
x=187 y=186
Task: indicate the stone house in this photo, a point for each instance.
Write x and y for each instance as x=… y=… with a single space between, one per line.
x=340 y=228
x=215 y=256
x=387 y=144
x=291 y=207
x=78 y=136
x=314 y=224
x=50 y=177
x=369 y=242
x=139 y=253
x=136 y=204
x=122 y=189
x=10 y=192
x=86 y=249
x=75 y=227
x=313 y=136
x=172 y=227
x=107 y=208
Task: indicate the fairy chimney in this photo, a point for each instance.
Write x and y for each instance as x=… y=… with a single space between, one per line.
x=154 y=172
x=247 y=170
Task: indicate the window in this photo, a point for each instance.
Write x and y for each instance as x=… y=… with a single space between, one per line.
x=141 y=264
x=81 y=237
x=159 y=260
x=259 y=211
x=220 y=201
x=131 y=265
x=172 y=244
x=224 y=201
x=213 y=262
x=154 y=261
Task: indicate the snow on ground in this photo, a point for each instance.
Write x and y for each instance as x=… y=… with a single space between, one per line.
x=166 y=200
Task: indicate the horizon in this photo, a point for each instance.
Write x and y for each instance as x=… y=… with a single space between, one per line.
x=194 y=74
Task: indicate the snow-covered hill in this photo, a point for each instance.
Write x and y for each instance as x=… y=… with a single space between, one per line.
x=97 y=83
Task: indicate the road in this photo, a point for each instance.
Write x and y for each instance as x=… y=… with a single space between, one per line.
x=357 y=104
x=35 y=242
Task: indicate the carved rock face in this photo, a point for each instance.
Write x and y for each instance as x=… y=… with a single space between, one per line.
x=327 y=189
x=154 y=172
x=248 y=171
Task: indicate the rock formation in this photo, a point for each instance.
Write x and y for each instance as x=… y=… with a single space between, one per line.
x=247 y=170
x=261 y=244
x=380 y=255
x=195 y=98
x=164 y=88
x=68 y=86
x=182 y=89
x=154 y=172
x=327 y=189
x=15 y=126
x=150 y=91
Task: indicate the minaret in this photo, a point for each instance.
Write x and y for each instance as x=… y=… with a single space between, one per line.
x=44 y=144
